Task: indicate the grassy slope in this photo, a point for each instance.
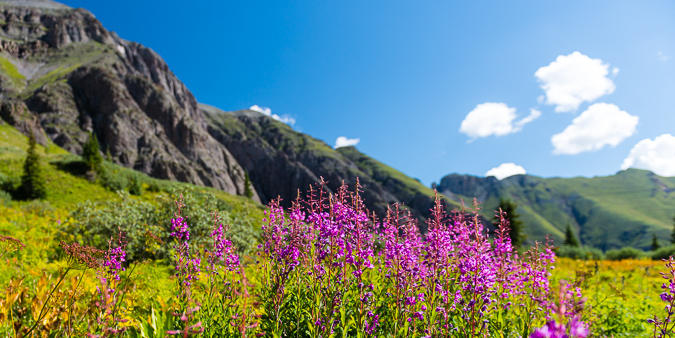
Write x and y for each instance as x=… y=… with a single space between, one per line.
x=54 y=66
x=606 y=212
x=65 y=189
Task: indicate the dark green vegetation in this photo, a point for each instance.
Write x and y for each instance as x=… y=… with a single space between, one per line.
x=91 y=153
x=610 y=212
x=32 y=181
x=571 y=238
x=515 y=224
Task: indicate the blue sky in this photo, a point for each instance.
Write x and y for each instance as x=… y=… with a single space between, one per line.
x=403 y=77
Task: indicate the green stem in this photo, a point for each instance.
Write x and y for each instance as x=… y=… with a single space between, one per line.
x=45 y=304
x=70 y=307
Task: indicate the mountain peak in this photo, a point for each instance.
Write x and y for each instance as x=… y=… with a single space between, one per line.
x=47 y=4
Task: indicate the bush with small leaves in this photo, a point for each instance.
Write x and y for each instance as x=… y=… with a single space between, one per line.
x=624 y=253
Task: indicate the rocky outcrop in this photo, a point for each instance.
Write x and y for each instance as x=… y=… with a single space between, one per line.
x=281 y=162
x=76 y=77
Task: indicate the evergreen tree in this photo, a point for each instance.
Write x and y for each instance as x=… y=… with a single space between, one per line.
x=655 y=243
x=515 y=224
x=33 y=185
x=570 y=239
x=108 y=155
x=672 y=236
x=248 y=192
x=91 y=153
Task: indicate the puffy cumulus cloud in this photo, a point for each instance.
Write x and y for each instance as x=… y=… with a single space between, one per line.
x=602 y=124
x=494 y=118
x=505 y=170
x=572 y=79
x=287 y=119
x=657 y=155
x=346 y=142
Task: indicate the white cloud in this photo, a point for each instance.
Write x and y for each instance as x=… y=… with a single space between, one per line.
x=505 y=170
x=494 y=118
x=346 y=142
x=534 y=114
x=600 y=125
x=662 y=56
x=287 y=119
x=575 y=78
x=657 y=155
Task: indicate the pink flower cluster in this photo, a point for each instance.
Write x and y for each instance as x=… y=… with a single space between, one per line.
x=574 y=329
x=454 y=278
x=665 y=327
x=222 y=251
x=188 y=268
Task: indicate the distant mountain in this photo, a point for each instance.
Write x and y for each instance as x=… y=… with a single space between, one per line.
x=606 y=212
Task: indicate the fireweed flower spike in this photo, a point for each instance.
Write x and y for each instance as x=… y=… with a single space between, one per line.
x=665 y=327
x=187 y=267
x=187 y=270
x=352 y=275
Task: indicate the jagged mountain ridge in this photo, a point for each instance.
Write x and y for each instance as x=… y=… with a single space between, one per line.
x=62 y=75
x=605 y=212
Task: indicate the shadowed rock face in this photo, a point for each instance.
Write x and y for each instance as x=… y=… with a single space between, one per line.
x=281 y=161
x=72 y=76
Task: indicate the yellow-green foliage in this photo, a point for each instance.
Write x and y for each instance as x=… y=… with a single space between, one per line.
x=8 y=69
x=621 y=295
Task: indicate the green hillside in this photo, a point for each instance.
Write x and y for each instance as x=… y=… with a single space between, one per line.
x=67 y=184
x=625 y=209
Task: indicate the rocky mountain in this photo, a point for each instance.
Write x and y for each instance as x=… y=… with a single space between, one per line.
x=280 y=161
x=609 y=212
x=63 y=75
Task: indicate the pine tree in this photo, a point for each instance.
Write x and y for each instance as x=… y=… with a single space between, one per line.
x=570 y=239
x=108 y=155
x=248 y=192
x=515 y=224
x=672 y=236
x=91 y=153
x=655 y=243
x=33 y=185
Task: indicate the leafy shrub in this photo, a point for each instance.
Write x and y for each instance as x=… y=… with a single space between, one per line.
x=576 y=252
x=40 y=208
x=5 y=198
x=9 y=183
x=112 y=180
x=664 y=252
x=94 y=224
x=624 y=253
x=136 y=187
